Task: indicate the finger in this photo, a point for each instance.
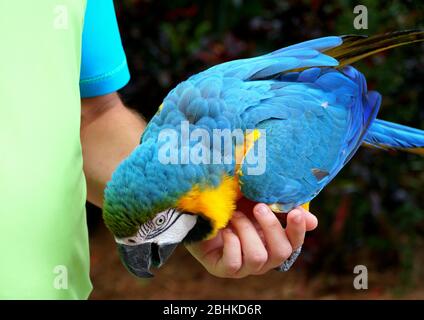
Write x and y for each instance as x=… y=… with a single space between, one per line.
x=231 y=261
x=277 y=243
x=258 y=229
x=296 y=228
x=253 y=250
x=203 y=248
x=311 y=220
x=208 y=252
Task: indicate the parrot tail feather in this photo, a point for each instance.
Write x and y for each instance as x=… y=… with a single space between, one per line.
x=358 y=47
x=388 y=136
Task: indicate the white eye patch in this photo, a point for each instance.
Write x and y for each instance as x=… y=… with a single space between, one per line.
x=169 y=226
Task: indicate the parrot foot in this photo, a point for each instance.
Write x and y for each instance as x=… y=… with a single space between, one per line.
x=285 y=208
x=290 y=261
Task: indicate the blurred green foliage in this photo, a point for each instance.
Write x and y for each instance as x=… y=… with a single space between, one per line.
x=374 y=208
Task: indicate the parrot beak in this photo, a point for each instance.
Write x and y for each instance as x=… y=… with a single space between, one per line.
x=139 y=258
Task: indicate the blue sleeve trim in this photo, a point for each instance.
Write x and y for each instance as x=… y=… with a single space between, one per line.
x=105 y=83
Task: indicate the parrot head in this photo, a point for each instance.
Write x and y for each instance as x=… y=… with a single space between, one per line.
x=151 y=207
x=155 y=240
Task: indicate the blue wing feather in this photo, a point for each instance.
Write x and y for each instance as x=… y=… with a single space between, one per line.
x=308 y=147
x=301 y=55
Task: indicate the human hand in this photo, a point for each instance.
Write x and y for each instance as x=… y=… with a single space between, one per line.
x=253 y=243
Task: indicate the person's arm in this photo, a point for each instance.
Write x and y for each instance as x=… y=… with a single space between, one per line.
x=109 y=132
x=250 y=245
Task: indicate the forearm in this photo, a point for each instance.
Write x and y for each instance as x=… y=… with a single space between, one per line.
x=109 y=132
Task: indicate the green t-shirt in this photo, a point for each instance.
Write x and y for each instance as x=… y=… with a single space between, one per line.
x=43 y=234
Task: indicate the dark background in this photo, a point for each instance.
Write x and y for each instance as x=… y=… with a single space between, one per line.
x=371 y=214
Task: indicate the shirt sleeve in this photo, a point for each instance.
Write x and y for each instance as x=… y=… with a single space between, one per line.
x=104 y=66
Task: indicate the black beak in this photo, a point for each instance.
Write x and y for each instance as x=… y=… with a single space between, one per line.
x=139 y=258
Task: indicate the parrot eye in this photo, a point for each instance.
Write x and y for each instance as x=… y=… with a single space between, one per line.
x=162 y=218
x=160 y=221
x=131 y=240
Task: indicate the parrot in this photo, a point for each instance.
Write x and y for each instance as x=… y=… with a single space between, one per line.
x=303 y=111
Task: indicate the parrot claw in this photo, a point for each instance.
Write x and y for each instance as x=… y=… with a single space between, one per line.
x=286 y=265
x=285 y=208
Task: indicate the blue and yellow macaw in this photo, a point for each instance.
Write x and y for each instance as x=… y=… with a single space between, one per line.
x=304 y=104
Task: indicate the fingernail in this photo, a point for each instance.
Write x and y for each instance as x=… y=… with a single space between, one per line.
x=262 y=209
